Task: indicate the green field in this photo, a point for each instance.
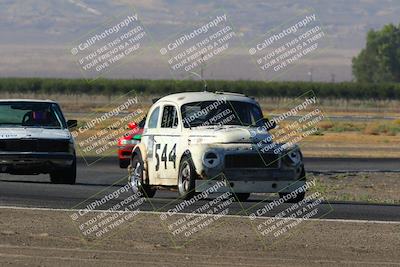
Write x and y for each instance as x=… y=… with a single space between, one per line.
x=347 y=90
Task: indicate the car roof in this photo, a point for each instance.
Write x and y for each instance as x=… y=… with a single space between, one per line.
x=28 y=100
x=190 y=97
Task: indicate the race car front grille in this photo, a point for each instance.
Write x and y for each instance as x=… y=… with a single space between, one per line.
x=34 y=145
x=262 y=160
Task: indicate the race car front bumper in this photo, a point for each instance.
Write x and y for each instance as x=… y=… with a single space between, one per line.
x=34 y=162
x=255 y=180
x=248 y=186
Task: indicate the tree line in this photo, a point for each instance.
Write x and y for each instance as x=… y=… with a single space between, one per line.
x=346 y=90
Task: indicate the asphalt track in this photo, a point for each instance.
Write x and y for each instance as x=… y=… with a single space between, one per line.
x=104 y=177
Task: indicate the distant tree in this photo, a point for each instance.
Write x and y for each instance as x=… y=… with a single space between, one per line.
x=379 y=61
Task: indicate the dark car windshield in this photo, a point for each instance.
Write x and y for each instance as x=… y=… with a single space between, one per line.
x=207 y=113
x=31 y=114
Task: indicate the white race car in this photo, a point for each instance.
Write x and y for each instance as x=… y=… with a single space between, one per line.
x=197 y=140
x=34 y=139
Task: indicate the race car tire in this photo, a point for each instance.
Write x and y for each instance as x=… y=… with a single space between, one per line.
x=124 y=163
x=137 y=171
x=241 y=196
x=186 y=178
x=64 y=175
x=299 y=197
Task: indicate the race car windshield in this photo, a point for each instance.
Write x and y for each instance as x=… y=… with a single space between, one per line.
x=31 y=114
x=209 y=113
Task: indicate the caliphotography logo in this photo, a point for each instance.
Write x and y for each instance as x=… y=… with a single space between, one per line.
x=108 y=46
x=189 y=52
x=282 y=47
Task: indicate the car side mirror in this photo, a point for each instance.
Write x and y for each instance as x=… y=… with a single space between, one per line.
x=132 y=125
x=72 y=124
x=269 y=124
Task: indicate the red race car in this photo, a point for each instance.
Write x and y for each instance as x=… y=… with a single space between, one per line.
x=127 y=142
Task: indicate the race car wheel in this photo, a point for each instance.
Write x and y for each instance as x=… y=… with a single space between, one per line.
x=136 y=177
x=186 y=178
x=64 y=175
x=241 y=196
x=299 y=197
x=124 y=163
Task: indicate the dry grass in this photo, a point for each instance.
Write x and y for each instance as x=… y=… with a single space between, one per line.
x=363 y=187
x=351 y=144
x=77 y=103
x=74 y=103
x=334 y=138
x=337 y=107
x=388 y=127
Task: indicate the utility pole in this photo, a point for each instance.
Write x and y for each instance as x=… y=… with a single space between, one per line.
x=202 y=67
x=310 y=74
x=333 y=76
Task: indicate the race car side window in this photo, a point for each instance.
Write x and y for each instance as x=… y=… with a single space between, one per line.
x=169 y=117
x=153 y=120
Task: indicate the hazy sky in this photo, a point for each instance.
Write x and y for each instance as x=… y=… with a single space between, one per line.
x=37 y=37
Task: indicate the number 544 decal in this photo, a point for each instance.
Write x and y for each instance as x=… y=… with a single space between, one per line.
x=171 y=156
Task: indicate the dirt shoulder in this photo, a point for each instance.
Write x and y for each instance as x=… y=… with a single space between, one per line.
x=371 y=187
x=49 y=238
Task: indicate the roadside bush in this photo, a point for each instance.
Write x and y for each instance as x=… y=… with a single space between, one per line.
x=346 y=90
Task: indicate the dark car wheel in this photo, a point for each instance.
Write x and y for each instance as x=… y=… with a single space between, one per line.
x=186 y=178
x=241 y=196
x=124 y=163
x=64 y=175
x=299 y=197
x=136 y=177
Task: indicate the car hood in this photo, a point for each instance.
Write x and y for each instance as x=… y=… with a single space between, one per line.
x=34 y=133
x=229 y=134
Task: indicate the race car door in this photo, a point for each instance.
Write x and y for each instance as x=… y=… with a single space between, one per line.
x=166 y=145
x=151 y=129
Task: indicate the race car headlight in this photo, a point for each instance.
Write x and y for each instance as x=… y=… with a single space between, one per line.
x=129 y=142
x=211 y=159
x=294 y=157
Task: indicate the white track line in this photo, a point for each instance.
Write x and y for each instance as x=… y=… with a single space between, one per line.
x=211 y=215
